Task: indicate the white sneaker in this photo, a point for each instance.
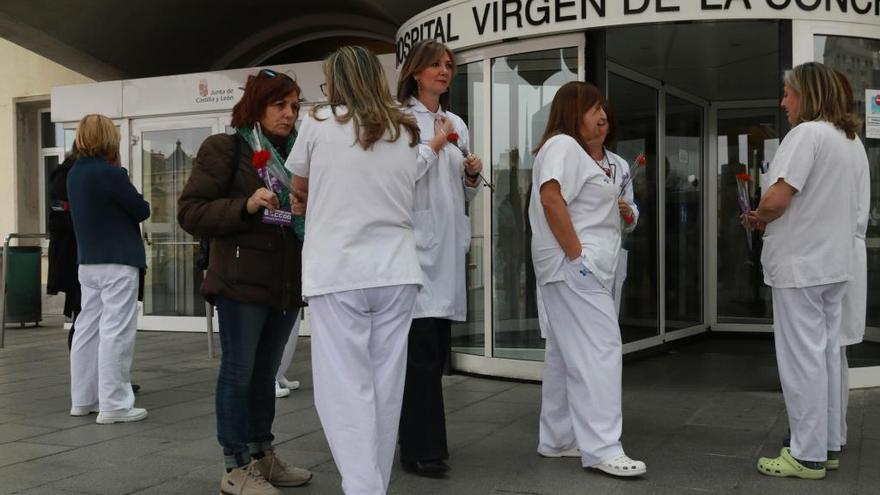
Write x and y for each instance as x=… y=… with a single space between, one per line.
x=123 y=416
x=572 y=452
x=621 y=465
x=280 y=391
x=288 y=384
x=83 y=410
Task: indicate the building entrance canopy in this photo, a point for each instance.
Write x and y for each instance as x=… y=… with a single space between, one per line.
x=463 y=24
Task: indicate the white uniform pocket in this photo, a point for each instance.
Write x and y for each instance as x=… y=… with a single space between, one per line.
x=423 y=225
x=580 y=278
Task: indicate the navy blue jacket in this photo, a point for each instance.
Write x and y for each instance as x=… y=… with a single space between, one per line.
x=106 y=211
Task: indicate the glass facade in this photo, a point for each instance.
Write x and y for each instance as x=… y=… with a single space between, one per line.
x=747 y=139
x=523 y=87
x=683 y=173
x=637 y=111
x=172 y=282
x=467 y=95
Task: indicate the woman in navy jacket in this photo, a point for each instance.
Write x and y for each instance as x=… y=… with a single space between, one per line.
x=106 y=210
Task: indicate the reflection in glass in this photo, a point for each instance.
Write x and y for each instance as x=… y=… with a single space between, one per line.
x=683 y=167
x=747 y=141
x=172 y=280
x=636 y=108
x=859 y=60
x=467 y=94
x=50 y=163
x=523 y=87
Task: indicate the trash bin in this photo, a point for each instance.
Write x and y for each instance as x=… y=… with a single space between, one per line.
x=24 y=298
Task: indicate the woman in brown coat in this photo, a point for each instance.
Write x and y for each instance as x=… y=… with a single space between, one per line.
x=237 y=196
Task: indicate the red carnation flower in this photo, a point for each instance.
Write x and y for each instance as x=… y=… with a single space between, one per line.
x=452 y=137
x=743 y=177
x=641 y=160
x=260 y=159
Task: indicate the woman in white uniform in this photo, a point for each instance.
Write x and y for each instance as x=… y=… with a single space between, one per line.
x=575 y=221
x=446 y=179
x=620 y=173
x=809 y=216
x=855 y=298
x=355 y=166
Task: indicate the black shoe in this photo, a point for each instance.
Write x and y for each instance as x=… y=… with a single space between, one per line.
x=135 y=387
x=430 y=469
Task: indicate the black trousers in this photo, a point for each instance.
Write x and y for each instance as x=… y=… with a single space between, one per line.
x=422 y=434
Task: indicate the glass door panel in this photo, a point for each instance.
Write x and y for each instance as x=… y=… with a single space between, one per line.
x=636 y=107
x=683 y=167
x=747 y=141
x=467 y=95
x=523 y=87
x=171 y=288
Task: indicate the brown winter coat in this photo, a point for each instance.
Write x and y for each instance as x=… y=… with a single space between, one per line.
x=250 y=261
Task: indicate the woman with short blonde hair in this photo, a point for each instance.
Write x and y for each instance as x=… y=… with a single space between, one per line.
x=98 y=136
x=105 y=206
x=354 y=167
x=809 y=215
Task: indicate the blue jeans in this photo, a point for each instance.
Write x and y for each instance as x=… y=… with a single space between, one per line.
x=252 y=337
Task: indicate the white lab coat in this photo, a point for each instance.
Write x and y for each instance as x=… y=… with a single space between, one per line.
x=852 y=327
x=622 y=174
x=443 y=231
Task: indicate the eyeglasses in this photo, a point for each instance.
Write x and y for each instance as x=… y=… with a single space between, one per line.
x=268 y=72
x=323 y=87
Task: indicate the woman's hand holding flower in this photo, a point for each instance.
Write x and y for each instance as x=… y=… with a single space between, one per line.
x=262 y=198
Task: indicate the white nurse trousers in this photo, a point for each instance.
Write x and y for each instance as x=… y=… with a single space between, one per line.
x=806 y=325
x=581 y=391
x=359 y=340
x=289 y=349
x=619 y=278
x=103 y=343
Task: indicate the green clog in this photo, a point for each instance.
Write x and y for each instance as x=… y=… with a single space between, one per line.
x=786 y=466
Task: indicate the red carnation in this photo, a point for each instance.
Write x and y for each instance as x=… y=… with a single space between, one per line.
x=743 y=177
x=452 y=137
x=641 y=160
x=260 y=159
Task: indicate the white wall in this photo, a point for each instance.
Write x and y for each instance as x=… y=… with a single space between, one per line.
x=23 y=74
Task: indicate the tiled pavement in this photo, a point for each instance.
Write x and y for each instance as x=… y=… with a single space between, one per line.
x=699 y=416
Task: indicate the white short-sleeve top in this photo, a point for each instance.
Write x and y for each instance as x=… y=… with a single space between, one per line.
x=359 y=227
x=812 y=242
x=591 y=199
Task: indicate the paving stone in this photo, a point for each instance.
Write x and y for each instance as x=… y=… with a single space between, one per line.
x=129 y=477
x=93 y=433
x=9 y=432
x=23 y=476
x=15 y=452
x=699 y=416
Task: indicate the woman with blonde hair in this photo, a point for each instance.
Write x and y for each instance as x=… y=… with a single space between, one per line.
x=355 y=166
x=105 y=205
x=448 y=177
x=576 y=231
x=809 y=217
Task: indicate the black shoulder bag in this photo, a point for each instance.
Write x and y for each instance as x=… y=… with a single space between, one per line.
x=203 y=256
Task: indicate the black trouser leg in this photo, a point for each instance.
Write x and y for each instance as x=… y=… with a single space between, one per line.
x=422 y=417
